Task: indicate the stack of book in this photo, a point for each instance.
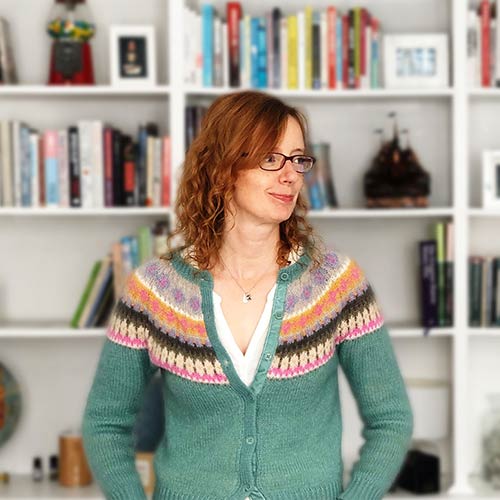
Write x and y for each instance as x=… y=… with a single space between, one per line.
x=108 y=275
x=436 y=277
x=89 y=165
x=307 y=49
x=483 y=44
x=484 y=290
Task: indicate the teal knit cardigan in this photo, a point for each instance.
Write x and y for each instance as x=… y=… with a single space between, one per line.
x=280 y=437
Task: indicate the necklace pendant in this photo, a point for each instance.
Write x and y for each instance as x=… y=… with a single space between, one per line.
x=246 y=298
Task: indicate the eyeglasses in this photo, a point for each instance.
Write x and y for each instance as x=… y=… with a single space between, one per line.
x=276 y=161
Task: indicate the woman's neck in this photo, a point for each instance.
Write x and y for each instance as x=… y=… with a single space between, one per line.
x=249 y=256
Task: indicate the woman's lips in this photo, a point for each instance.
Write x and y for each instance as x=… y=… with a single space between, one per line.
x=283 y=198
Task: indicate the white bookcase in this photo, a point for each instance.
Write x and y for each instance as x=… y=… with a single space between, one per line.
x=46 y=255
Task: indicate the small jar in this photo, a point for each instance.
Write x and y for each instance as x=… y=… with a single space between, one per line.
x=490 y=440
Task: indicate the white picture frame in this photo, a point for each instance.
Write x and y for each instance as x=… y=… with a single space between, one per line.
x=132 y=56
x=491 y=179
x=416 y=61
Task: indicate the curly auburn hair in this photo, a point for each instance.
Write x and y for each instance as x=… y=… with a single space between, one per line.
x=237 y=130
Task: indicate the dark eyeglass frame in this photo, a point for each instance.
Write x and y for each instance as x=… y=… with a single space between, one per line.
x=284 y=160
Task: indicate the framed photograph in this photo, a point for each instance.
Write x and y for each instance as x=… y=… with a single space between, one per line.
x=491 y=179
x=416 y=61
x=132 y=56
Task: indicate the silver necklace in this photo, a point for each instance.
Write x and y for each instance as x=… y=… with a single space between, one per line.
x=247 y=297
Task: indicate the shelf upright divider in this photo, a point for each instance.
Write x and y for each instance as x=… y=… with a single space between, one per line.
x=458 y=46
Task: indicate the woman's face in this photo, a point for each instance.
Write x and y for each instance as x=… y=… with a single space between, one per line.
x=255 y=192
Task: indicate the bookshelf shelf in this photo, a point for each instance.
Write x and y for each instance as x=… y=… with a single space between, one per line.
x=418 y=332
x=81 y=90
x=485 y=332
x=59 y=332
x=330 y=94
x=484 y=212
x=381 y=213
x=484 y=92
x=84 y=212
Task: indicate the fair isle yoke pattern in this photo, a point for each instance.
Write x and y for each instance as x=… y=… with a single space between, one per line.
x=161 y=311
x=324 y=307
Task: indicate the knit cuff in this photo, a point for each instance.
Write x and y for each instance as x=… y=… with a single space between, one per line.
x=360 y=489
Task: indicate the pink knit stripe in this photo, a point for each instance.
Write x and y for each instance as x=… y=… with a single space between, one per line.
x=124 y=340
x=300 y=370
x=198 y=377
x=358 y=332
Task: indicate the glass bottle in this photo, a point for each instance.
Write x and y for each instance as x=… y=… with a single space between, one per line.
x=490 y=440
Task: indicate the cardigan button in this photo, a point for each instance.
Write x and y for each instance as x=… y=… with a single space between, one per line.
x=284 y=276
x=248 y=487
x=278 y=315
x=268 y=356
x=250 y=440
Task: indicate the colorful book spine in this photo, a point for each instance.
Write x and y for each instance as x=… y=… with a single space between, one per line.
x=449 y=271
x=316 y=50
x=233 y=10
x=34 y=140
x=207 y=36
x=293 y=80
x=332 y=46
x=475 y=286
x=74 y=167
x=309 y=46
x=25 y=158
x=51 y=168
x=62 y=159
x=254 y=50
x=441 y=271
x=340 y=51
x=276 y=16
x=261 y=54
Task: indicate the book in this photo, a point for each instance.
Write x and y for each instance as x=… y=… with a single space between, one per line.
x=95 y=290
x=8 y=69
x=233 y=10
x=475 y=290
x=449 y=271
x=85 y=294
x=439 y=229
x=428 y=283
x=103 y=282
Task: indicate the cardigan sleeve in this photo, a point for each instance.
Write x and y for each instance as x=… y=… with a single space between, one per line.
x=368 y=360
x=123 y=372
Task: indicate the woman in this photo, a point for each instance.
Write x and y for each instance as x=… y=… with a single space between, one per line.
x=248 y=321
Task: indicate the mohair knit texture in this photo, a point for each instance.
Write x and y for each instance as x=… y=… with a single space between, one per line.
x=280 y=437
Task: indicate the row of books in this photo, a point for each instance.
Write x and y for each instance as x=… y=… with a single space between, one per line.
x=108 y=275
x=90 y=165
x=483 y=45
x=436 y=263
x=193 y=117
x=308 y=49
x=8 y=71
x=484 y=290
